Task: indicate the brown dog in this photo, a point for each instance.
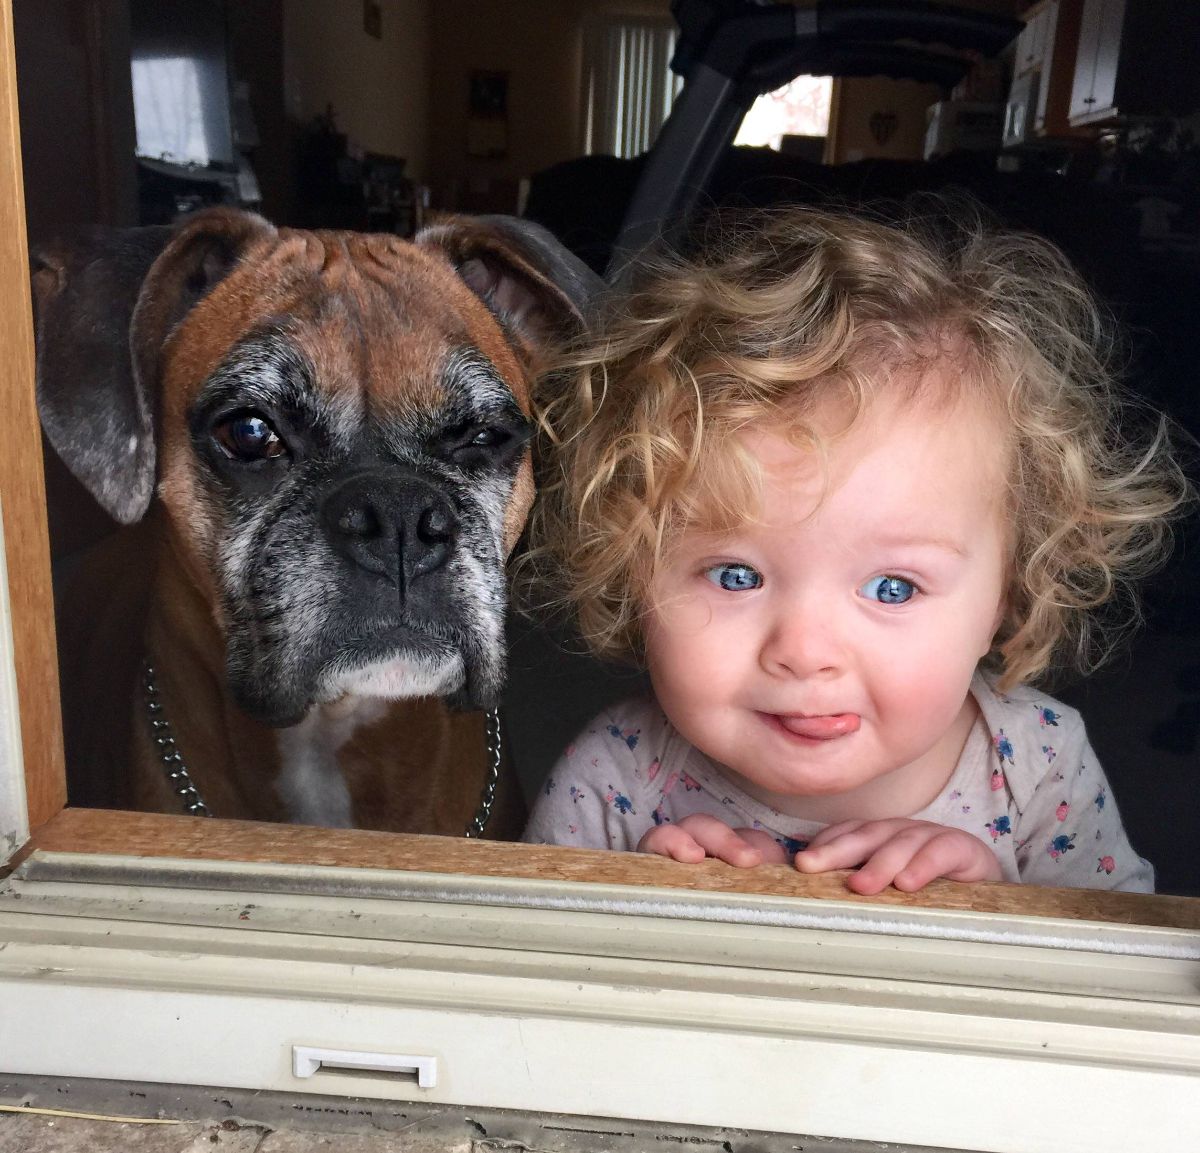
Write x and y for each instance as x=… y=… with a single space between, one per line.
x=320 y=442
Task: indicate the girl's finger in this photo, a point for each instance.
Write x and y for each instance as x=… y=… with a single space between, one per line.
x=832 y=832
x=672 y=841
x=720 y=841
x=773 y=853
x=954 y=855
x=849 y=848
x=889 y=859
x=698 y=836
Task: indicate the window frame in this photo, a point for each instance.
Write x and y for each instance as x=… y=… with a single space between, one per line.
x=142 y=958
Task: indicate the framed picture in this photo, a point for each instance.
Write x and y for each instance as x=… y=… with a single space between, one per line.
x=487 y=114
x=489 y=95
x=373 y=18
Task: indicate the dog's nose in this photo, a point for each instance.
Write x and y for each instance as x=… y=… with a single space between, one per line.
x=400 y=530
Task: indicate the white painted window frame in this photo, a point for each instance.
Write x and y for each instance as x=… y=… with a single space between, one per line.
x=926 y=1026
x=14 y=814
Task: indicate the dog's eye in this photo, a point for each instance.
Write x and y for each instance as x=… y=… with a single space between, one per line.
x=467 y=438
x=483 y=443
x=248 y=436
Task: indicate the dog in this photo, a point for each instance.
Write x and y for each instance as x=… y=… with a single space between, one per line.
x=319 y=444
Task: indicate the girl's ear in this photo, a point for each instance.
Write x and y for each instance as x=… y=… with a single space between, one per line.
x=997 y=621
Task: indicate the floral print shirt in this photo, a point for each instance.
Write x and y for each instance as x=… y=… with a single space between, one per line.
x=1027 y=784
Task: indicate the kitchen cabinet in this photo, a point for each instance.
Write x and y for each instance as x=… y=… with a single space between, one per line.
x=1031 y=44
x=1135 y=58
x=1043 y=66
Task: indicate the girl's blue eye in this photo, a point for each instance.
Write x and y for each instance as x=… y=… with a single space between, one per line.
x=888 y=590
x=734 y=578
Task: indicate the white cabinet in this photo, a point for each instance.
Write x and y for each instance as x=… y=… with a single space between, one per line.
x=1136 y=58
x=1031 y=44
x=1043 y=64
x=1093 y=92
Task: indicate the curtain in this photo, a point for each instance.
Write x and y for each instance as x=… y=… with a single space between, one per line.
x=628 y=86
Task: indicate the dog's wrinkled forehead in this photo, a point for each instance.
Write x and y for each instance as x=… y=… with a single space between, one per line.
x=394 y=347
x=371 y=315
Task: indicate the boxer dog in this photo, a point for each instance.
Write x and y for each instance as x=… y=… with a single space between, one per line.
x=319 y=442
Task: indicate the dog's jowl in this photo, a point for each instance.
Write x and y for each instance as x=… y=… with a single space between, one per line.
x=318 y=444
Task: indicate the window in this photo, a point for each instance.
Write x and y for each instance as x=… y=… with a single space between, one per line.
x=628 y=90
x=628 y=86
x=543 y=978
x=800 y=108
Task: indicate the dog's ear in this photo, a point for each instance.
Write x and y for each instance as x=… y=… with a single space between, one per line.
x=202 y=253
x=536 y=287
x=104 y=303
x=93 y=413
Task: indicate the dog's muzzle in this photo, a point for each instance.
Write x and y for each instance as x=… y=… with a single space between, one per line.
x=403 y=531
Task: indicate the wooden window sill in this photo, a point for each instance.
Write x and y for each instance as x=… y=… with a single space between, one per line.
x=150 y=835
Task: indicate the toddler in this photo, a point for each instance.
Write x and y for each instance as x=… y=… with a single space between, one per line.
x=848 y=490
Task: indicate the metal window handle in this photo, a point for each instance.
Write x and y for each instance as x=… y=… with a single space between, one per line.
x=306 y=1061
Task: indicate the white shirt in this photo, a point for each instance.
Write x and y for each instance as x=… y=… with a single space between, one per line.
x=1027 y=784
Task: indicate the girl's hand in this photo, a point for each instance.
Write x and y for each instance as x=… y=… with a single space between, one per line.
x=699 y=836
x=900 y=852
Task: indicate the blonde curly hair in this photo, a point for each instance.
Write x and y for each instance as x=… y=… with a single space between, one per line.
x=779 y=313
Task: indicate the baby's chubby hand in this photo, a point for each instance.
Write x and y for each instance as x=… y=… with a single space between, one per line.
x=907 y=854
x=698 y=836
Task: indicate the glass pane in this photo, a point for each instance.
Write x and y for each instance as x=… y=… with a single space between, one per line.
x=800 y=108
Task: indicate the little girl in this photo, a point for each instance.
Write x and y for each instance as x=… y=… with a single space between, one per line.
x=848 y=490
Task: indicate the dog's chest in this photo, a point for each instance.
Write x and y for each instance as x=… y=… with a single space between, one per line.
x=310 y=783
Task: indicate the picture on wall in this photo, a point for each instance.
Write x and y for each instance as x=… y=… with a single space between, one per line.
x=487 y=114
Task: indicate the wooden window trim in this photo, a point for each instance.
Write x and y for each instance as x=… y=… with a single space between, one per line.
x=153 y=835
x=22 y=488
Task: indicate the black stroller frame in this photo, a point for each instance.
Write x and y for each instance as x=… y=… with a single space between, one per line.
x=730 y=52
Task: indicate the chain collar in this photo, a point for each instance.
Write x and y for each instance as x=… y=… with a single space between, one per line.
x=170 y=756
x=488 y=797
x=182 y=786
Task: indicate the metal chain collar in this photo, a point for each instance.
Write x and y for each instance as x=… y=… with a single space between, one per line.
x=182 y=786
x=172 y=759
x=488 y=798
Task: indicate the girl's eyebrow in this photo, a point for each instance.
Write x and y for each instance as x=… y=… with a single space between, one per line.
x=920 y=540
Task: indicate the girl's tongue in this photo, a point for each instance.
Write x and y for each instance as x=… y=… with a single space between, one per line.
x=822 y=728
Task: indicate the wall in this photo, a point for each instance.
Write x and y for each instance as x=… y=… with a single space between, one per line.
x=255 y=34
x=900 y=103
x=538 y=43
x=379 y=89
x=76 y=113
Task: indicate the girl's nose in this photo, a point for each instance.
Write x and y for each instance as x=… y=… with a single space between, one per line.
x=804 y=642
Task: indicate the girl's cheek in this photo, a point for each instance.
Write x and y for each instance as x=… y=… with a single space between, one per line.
x=682 y=614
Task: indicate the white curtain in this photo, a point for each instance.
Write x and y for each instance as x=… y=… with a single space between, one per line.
x=628 y=86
